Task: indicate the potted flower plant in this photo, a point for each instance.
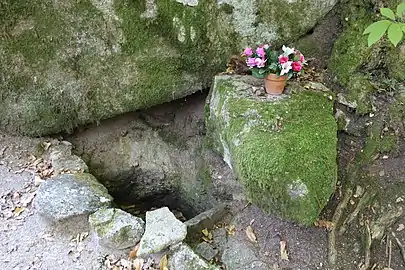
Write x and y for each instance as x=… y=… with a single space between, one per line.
x=274 y=67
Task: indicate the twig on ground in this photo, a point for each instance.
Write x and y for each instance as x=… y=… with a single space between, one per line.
x=389 y=253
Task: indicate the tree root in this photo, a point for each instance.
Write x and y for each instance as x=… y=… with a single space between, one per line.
x=367 y=197
x=401 y=247
x=367 y=247
x=332 y=253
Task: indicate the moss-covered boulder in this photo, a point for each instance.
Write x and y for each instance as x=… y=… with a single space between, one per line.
x=361 y=69
x=283 y=150
x=66 y=63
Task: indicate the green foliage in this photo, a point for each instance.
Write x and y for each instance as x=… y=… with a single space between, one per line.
x=394 y=25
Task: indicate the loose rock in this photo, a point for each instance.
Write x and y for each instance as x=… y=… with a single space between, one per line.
x=70 y=195
x=116 y=229
x=62 y=160
x=206 y=219
x=206 y=251
x=184 y=258
x=162 y=230
x=240 y=255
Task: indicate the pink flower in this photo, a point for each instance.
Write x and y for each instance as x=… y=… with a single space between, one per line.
x=283 y=59
x=260 y=52
x=251 y=62
x=260 y=62
x=296 y=66
x=248 y=51
x=302 y=58
x=266 y=46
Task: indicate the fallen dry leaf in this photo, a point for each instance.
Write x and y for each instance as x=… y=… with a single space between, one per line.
x=138 y=263
x=18 y=210
x=163 y=263
x=283 y=250
x=46 y=145
x=251 y=234
x=324 y=224
x=134 y=251
x=230 y=229
x=207 y=235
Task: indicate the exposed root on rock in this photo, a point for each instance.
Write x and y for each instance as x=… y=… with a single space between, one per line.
x=367 y=197
x=400 y=246
x=332 y=253
x=367 y=247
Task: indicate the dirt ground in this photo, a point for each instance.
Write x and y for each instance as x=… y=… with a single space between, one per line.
x=26 y=240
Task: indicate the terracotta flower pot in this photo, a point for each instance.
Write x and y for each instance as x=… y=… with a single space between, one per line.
x=275 y=85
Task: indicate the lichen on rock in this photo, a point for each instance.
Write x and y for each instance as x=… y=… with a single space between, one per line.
x=356 y=66
x=82 y=195
x=115 y=228
x=283 y=151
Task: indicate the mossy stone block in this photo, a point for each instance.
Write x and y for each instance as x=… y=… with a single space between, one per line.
x=282 y=149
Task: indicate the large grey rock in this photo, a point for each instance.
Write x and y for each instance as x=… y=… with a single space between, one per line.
x=69 y=62
x=70 y=195
x=162 y=230
x=184 y=258
x=297 y=128
x=115 y=228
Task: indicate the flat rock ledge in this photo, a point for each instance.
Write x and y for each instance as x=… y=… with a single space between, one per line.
x=69 y=195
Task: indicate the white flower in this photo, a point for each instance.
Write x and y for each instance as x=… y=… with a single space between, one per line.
x=287 y=51
x=286 y=67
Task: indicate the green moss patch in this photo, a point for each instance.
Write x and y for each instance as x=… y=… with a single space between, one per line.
x=283 y=151
x=356 y=65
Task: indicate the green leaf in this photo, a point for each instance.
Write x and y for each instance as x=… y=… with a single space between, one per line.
x=400 y=10
x=395 y=34
x=380 y=26
x=403 y=27
x=376 y=31
x=256 y=73
x=387 y=12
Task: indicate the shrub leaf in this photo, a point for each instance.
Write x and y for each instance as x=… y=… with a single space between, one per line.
x=395 y=34
x=387 y=12
x=376 y=31
x=400 y=10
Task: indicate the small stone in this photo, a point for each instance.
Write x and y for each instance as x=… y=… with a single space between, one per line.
x=381 y=173
x=184 y=258
x=240 y=255
x=116 y=229
x=359 y=191
x=401 y=227
x=63 y=161
x=71 y=195
x=220 y=237
x=162 y=230
x=206 y=251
